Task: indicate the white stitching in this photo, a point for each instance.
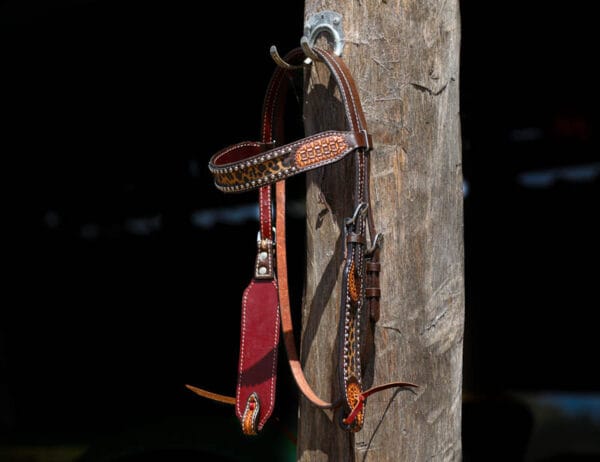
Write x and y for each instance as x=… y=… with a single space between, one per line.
x=264 y=206
x=268 y=104
x=240 y=368
x=220 y=154
x=353 y=118
x=341 y=73
x=274 y=367
x=289 y=172
x=283 y=149
x=275 y=345
x=269 y=206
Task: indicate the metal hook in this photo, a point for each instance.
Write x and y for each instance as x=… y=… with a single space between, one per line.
x=308 y=51
x=279 y=60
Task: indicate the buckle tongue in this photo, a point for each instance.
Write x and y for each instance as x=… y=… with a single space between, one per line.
x=359 y=213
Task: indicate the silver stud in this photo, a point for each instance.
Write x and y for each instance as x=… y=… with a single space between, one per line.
x=262 y=270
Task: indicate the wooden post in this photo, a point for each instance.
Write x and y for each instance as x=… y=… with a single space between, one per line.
x=404 y=56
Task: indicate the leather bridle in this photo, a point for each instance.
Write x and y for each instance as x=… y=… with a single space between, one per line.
x=265 y=304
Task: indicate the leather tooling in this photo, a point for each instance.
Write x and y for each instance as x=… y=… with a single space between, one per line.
x=258 y=165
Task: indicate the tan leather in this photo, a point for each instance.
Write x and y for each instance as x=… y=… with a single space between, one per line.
x=246 y=166
x=284 y=303
x=211 y=395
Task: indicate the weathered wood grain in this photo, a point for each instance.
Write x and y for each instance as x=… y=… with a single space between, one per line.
x=404 y=56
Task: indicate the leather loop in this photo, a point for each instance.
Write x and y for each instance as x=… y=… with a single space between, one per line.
x=365 y=394
x=250 y=417
x=372 y=292
x=373 y=267
x=356 y=238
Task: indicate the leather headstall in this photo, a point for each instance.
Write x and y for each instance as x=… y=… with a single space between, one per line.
x=265 y=303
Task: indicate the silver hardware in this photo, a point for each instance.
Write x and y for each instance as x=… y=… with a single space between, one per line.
x=376 y=244
x=308 y=51
x=264 y=242
x=358 y=213
x=324 y=21
x=279 y=60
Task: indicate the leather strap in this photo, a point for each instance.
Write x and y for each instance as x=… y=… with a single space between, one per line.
x=257 y=370
x=246 y=166
x=284 y=305
x=210 y=395
x=356 y=411
x=251 y=165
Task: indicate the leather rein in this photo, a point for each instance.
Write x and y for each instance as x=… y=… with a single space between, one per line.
x=265 y=304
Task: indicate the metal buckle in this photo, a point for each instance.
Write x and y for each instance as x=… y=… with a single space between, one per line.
x=359 y=212
x=376 y=244
x=264 y=243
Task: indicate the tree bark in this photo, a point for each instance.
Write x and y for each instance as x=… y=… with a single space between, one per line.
x=404 y=56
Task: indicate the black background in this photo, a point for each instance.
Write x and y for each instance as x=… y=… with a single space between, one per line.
x=111 y=111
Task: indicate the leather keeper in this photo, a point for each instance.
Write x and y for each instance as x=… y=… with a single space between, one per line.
x=373 y=267
x=263 y=266
x=356 y=238
x=372 y=292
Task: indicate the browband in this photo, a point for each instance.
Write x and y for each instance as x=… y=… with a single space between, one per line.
x=257 y=165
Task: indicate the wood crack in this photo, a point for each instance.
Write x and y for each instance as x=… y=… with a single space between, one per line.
x=429 y=90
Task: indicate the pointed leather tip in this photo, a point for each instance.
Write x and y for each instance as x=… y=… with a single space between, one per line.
x=211 y=395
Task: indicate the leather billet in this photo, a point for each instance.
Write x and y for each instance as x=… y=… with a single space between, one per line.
x=258 y=165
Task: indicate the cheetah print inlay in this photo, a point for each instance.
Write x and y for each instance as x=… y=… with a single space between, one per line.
x=350 y=358
x=353 y=283
x=353 y=392
x=250 y=173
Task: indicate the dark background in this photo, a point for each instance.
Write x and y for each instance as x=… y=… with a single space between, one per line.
x=122 y=282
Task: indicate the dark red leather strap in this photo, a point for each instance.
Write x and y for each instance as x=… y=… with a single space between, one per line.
x=257 y=370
